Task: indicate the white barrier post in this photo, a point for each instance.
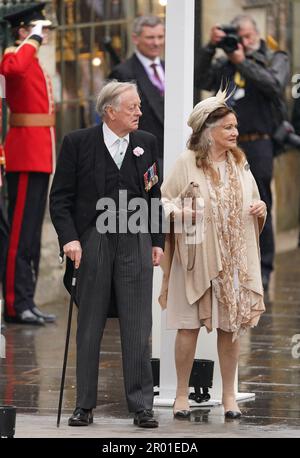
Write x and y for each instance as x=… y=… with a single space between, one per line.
x=178 y=105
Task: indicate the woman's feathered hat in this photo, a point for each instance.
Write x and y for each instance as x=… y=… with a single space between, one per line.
x=204 y=108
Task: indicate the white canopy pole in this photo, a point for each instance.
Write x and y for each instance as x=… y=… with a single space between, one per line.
x=180 y=16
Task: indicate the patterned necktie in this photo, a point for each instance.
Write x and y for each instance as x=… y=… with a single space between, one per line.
x=121 y=150
x=160 y=84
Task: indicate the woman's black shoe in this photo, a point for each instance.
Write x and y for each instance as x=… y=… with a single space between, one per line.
x=81 y=417
x=232 y=414
x=181 y=414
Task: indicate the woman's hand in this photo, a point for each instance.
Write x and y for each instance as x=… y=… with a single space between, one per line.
x=258 y=209
x=216 y=35
x=185 y=215
x=157 y=254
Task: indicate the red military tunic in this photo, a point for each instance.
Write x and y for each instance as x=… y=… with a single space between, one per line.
x=28 y=90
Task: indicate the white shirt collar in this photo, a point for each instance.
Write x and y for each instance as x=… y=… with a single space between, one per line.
x=110 y=137
x=145 y=60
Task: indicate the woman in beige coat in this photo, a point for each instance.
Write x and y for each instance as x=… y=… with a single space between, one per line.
x=211 y=266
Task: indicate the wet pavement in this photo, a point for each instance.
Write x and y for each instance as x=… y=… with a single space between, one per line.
x=269 y=367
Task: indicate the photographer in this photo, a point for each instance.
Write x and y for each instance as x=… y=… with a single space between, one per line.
x=260 y=76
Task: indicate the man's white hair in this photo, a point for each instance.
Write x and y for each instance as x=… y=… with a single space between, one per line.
x=110 y=95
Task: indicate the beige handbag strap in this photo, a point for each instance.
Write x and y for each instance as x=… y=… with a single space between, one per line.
x=193 y=193
x=191 y=257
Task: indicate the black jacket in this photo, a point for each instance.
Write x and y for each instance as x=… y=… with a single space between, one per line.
x=79 y=182
x=152 y=108
x=296 y=115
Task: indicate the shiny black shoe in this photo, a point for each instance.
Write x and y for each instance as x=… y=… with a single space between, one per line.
x=81 y=417
x=145 y=419
x=25 y=317
x=232 y=415
x=182 y=414
x=47 y=317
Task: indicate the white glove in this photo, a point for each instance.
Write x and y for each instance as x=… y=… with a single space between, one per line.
x=37 y=30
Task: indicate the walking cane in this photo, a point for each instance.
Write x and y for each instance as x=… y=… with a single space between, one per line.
x=66 y=346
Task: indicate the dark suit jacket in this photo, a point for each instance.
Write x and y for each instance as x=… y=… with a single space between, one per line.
x=296 y=116
x=152 y=119
x=79 y=182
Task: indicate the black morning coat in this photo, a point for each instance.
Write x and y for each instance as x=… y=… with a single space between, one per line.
x=79 y=182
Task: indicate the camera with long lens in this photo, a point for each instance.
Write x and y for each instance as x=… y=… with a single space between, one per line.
x=230 y=42
x=285 y=135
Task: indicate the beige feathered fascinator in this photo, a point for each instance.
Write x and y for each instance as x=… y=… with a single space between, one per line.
x=204 y=108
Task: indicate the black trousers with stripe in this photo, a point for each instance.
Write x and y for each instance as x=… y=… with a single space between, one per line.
x=27 y=196
x=122 y=263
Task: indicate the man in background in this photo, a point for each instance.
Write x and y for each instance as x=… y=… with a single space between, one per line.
x=147 y=69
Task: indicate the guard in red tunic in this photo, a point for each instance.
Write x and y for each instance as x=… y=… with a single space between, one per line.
x=29 y=151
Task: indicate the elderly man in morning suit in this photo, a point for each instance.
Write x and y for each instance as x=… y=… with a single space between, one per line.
x=108 y=161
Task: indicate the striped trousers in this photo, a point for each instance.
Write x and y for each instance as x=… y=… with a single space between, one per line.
x=122 y=264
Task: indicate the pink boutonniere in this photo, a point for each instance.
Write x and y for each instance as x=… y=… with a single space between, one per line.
x=138 y=151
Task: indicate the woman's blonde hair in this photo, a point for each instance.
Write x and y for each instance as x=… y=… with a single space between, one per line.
x=201 y=142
